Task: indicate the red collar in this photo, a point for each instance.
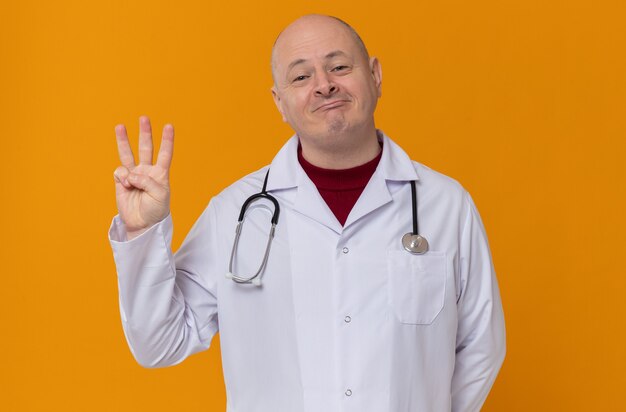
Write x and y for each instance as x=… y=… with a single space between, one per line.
x=339 y=179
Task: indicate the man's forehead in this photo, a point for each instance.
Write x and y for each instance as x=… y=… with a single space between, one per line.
x=310 y=24
x=307 y=28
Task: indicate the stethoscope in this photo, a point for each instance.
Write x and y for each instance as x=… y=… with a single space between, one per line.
x=412 y=242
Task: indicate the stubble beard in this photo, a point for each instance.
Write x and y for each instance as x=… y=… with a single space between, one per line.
x=337 y=125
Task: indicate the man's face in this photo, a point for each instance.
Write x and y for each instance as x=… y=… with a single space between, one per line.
x=324 y=84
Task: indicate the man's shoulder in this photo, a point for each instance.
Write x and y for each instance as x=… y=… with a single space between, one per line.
x=245 y=186
x=436 y=179
x=428 y=179
x=439 y=185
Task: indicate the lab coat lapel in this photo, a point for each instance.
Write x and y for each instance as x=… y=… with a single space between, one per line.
x=375 y=195
x=310 y=203
x=286 y=173
x=394 y=165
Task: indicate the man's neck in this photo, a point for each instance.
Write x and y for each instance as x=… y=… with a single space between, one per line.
x=342 y=156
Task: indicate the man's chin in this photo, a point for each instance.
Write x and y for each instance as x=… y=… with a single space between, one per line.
x=329 y=130
x=337 y=126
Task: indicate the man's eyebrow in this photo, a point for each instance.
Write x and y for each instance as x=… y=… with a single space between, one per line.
x=295 y=63
x=330 y=55
x=335 y=53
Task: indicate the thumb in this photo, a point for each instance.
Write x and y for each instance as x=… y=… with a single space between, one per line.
x=120 y=175
x=147 y=184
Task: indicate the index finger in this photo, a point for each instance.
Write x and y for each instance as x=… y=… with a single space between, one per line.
x=123 y=147
x=166 y=151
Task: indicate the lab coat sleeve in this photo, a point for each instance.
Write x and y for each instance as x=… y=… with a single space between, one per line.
x=168 y=302
x=480 y=343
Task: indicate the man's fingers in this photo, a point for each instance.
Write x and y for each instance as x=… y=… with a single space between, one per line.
x=121 y=176
x=166 y=151
x=145 y=141
x=147 y=184
x=123 y=147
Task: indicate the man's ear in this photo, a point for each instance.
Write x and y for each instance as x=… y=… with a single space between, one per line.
x=278 y=102
x=377 y=74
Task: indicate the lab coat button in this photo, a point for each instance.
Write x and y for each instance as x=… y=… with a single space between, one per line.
x=345 y=250
x=348 y=392
x=347 y=319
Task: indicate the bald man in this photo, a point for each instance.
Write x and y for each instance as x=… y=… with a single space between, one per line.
x=360 y=281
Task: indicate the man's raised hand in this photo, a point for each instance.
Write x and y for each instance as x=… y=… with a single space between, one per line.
x=142 y=191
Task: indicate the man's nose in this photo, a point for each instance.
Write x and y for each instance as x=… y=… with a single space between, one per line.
x=325 y=86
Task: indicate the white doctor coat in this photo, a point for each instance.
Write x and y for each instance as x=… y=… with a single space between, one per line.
x=345 y=320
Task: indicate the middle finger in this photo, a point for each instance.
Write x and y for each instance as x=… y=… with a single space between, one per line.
x=145 y=141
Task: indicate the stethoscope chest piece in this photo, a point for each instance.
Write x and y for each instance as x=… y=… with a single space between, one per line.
x=415 y=244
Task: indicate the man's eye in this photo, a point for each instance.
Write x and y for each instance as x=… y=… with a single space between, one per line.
x=337 y=68
x=299 y=78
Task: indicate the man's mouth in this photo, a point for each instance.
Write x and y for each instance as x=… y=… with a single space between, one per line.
x=332 y=105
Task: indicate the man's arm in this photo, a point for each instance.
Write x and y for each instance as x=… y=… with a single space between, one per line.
x=167 y=304
x=480 y=344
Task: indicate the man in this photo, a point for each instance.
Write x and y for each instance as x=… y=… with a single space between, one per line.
x=340 y=316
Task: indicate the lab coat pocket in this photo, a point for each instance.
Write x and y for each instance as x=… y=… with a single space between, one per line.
x=416 y=285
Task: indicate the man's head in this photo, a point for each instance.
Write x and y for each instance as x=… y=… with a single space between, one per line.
x=325 y=84
x=356 y=36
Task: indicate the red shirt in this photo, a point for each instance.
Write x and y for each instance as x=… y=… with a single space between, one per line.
x=341 y=188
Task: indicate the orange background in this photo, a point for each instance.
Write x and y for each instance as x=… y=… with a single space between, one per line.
x=521 y=101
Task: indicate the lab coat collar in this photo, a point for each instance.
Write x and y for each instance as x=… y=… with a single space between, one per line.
x=395 y=164
x=284 y=169
x=286 y=173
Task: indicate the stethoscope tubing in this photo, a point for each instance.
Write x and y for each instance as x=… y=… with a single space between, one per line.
x=412 y=242
x=255 y=279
